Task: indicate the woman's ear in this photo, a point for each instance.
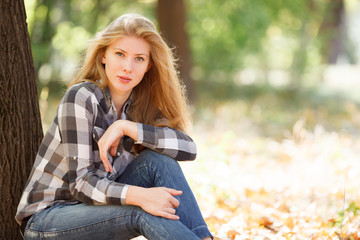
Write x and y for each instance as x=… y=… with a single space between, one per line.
x=103 y=60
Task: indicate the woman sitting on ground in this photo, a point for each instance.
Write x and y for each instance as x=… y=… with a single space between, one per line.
x=107 y=167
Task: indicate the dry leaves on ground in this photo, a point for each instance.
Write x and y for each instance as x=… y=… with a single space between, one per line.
x=304 y=186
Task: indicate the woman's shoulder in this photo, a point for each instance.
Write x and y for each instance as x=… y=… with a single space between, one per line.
x=84 y=90
x=84 y=86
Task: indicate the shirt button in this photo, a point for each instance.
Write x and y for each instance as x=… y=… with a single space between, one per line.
x=118 y=154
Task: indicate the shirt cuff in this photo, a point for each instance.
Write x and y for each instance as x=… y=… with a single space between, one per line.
x=123 y=195
x=116 y=193
x=140 y=134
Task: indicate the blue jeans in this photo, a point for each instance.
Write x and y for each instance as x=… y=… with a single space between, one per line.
x=81 y=221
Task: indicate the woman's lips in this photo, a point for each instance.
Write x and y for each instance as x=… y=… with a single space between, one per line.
x=124 y=79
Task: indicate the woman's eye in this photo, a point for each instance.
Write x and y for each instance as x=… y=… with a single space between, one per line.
x=119 y=54
x=140 y=59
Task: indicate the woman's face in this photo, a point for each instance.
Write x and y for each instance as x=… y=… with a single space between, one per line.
x=126 y=61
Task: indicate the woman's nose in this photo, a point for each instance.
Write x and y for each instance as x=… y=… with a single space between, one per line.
x=127 y=67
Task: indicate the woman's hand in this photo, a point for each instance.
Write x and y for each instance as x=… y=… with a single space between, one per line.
x=111 y=139
x=158 y=201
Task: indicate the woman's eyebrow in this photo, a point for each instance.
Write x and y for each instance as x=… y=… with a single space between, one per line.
x=138 y=54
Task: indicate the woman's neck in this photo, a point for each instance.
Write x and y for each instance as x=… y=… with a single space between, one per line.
x=119 y=101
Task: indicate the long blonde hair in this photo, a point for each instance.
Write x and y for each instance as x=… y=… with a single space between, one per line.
x=159 y=99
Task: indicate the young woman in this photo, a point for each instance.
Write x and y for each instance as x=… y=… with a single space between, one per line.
x=107 y=167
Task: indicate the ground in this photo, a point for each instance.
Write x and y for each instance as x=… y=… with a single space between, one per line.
x=303 y=185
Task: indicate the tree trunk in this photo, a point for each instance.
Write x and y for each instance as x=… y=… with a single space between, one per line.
x=20 y=124
x=172 y=22
x=332 y=31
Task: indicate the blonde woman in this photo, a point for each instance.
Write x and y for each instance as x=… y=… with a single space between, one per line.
x=107 y=167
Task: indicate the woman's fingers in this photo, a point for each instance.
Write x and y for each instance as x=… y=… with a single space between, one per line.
x=170 y=210
x=103 y=150
x=173 y=192
x=173 y=201
x=109 y=142
x=169 y=213
x=113 y=150
x=108 y=166
x=158 y=201
x=103 y=156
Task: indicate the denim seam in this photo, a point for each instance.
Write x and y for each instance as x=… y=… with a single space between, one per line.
x=149 y=226
x=202 y=226
x=78 y=228
x=202 y=230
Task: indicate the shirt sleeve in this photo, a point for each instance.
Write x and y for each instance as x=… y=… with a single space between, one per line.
x=168 y=141
x=87 y=182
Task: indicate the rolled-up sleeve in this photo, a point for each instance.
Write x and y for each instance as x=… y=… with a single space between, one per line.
x=168 y=141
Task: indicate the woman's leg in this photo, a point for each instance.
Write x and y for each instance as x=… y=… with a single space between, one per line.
x=151 y=169
x=85 y=222
x=81 y=221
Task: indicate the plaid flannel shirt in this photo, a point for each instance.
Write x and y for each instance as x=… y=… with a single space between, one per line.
x=68 y=168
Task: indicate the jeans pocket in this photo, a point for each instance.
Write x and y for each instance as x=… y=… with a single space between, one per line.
x=43 y=219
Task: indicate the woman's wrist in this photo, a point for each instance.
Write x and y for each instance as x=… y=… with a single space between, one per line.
x=133 y=195
x=130 y=128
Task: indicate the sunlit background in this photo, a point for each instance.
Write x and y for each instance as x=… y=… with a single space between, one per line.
x=276 y=109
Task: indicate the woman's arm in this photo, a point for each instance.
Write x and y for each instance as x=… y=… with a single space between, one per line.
x=175 y=144
x=87 y=183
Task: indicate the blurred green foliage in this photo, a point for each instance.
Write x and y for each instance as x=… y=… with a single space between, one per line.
x=59 y=32
x=269 y=53
x=242 y=42
x=234 y=42
x=226 y=36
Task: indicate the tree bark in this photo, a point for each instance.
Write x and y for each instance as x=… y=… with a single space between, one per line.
x=20 y=123
x=332 y=31
x=172 y=22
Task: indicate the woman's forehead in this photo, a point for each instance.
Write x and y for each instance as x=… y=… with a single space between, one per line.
x=130 y=44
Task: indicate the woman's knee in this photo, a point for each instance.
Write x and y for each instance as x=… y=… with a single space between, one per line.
x=155 y=159
x=150 y=169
